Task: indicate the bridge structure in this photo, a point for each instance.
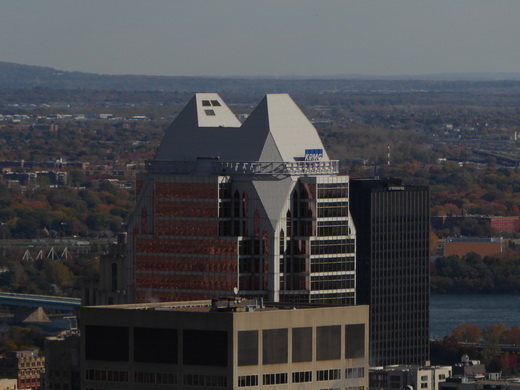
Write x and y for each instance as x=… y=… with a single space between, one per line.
x=55 y=249
x=37 y=301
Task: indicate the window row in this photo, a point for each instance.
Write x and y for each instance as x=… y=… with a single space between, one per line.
x=155 y=378
x=333 y=228
x=30 y=372
x=247 y=380
x=335 y=190
x=275 y=344
x=297 y=377
x=332 y=264
x=332 y=282
x=354 y=373
x=274 y=379
x=334 y=298
x=156 y=345
x=205 y=380
x=328 y=375
x=106 y=375
x=302 y=376
x=332 y=209
x=325 y=247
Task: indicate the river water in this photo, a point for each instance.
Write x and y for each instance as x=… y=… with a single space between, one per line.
x=449 y=310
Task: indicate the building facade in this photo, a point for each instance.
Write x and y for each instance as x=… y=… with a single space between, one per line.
x=392 y=224
x=257 y=209
x=109 y=288
x=495 y=223
x=226 y=344
x=8 y=384
x=408 y=377
x=62 y=370
x=27 y=367
x=483 y=246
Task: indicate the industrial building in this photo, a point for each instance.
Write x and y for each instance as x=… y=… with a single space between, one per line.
x=226 y=344
x=392 y=223
x=256 y=208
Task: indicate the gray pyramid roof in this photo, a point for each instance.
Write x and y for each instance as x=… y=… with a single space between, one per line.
x=275 y=131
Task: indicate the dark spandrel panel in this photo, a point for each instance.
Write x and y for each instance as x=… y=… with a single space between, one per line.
x=355 y=341
x=247 y=347
x=328 y=342
x=205 y=348
x=108 y=343
x=155 y=345
x=274 y=346
x=301 y=345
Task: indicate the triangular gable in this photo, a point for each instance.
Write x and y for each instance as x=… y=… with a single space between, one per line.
x=291 y=132
x=276 y=131
x=196 y=131
x=274 y=196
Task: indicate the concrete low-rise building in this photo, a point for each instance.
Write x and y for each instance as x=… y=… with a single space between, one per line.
x=408 y=377
x=224 y=344
x=483 y=246
x=27 y=367
x=8 y=384
x=463 y=383
x=62 y=370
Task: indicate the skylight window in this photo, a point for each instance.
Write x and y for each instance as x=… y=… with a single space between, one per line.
x=215 y=103
x=210 y=112
x=206 y=103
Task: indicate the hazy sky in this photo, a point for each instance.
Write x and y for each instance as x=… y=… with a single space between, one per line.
x=263 y=37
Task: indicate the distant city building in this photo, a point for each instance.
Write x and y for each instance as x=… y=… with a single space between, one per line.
x=492 y=381
x=52 y=178
x=8 y=384
x=110 y=287
x=392 y=272
x=408 y=377
x=483 y=246
x=62 y=371
x=226 y=344
x=257 y=208
x=496 y=223
x=472 y=369
x=24 y=366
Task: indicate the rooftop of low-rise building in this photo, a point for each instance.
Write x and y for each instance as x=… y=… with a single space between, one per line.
x=223 y=304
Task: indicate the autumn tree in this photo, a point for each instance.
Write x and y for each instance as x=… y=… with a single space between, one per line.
x=467 y=333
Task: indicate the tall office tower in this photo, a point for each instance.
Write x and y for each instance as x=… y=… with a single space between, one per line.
x=256 y=209
x=392 y=271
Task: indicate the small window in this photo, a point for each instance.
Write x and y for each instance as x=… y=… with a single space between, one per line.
x=215 y=103
x=210 y=112
x=206 y=103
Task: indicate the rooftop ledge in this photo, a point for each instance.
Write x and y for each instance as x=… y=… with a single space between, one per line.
x=217 y=167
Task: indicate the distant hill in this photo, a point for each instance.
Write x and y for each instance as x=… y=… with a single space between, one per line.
x=25 y=76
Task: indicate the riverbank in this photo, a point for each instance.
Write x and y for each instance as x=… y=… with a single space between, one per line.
x=483 y=310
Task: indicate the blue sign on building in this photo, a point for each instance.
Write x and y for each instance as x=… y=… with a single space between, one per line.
x=313 y=154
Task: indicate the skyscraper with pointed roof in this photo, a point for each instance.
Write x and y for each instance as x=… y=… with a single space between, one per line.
x=255 y=209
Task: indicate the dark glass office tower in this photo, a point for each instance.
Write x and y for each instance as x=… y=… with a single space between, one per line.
x=392 y=270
